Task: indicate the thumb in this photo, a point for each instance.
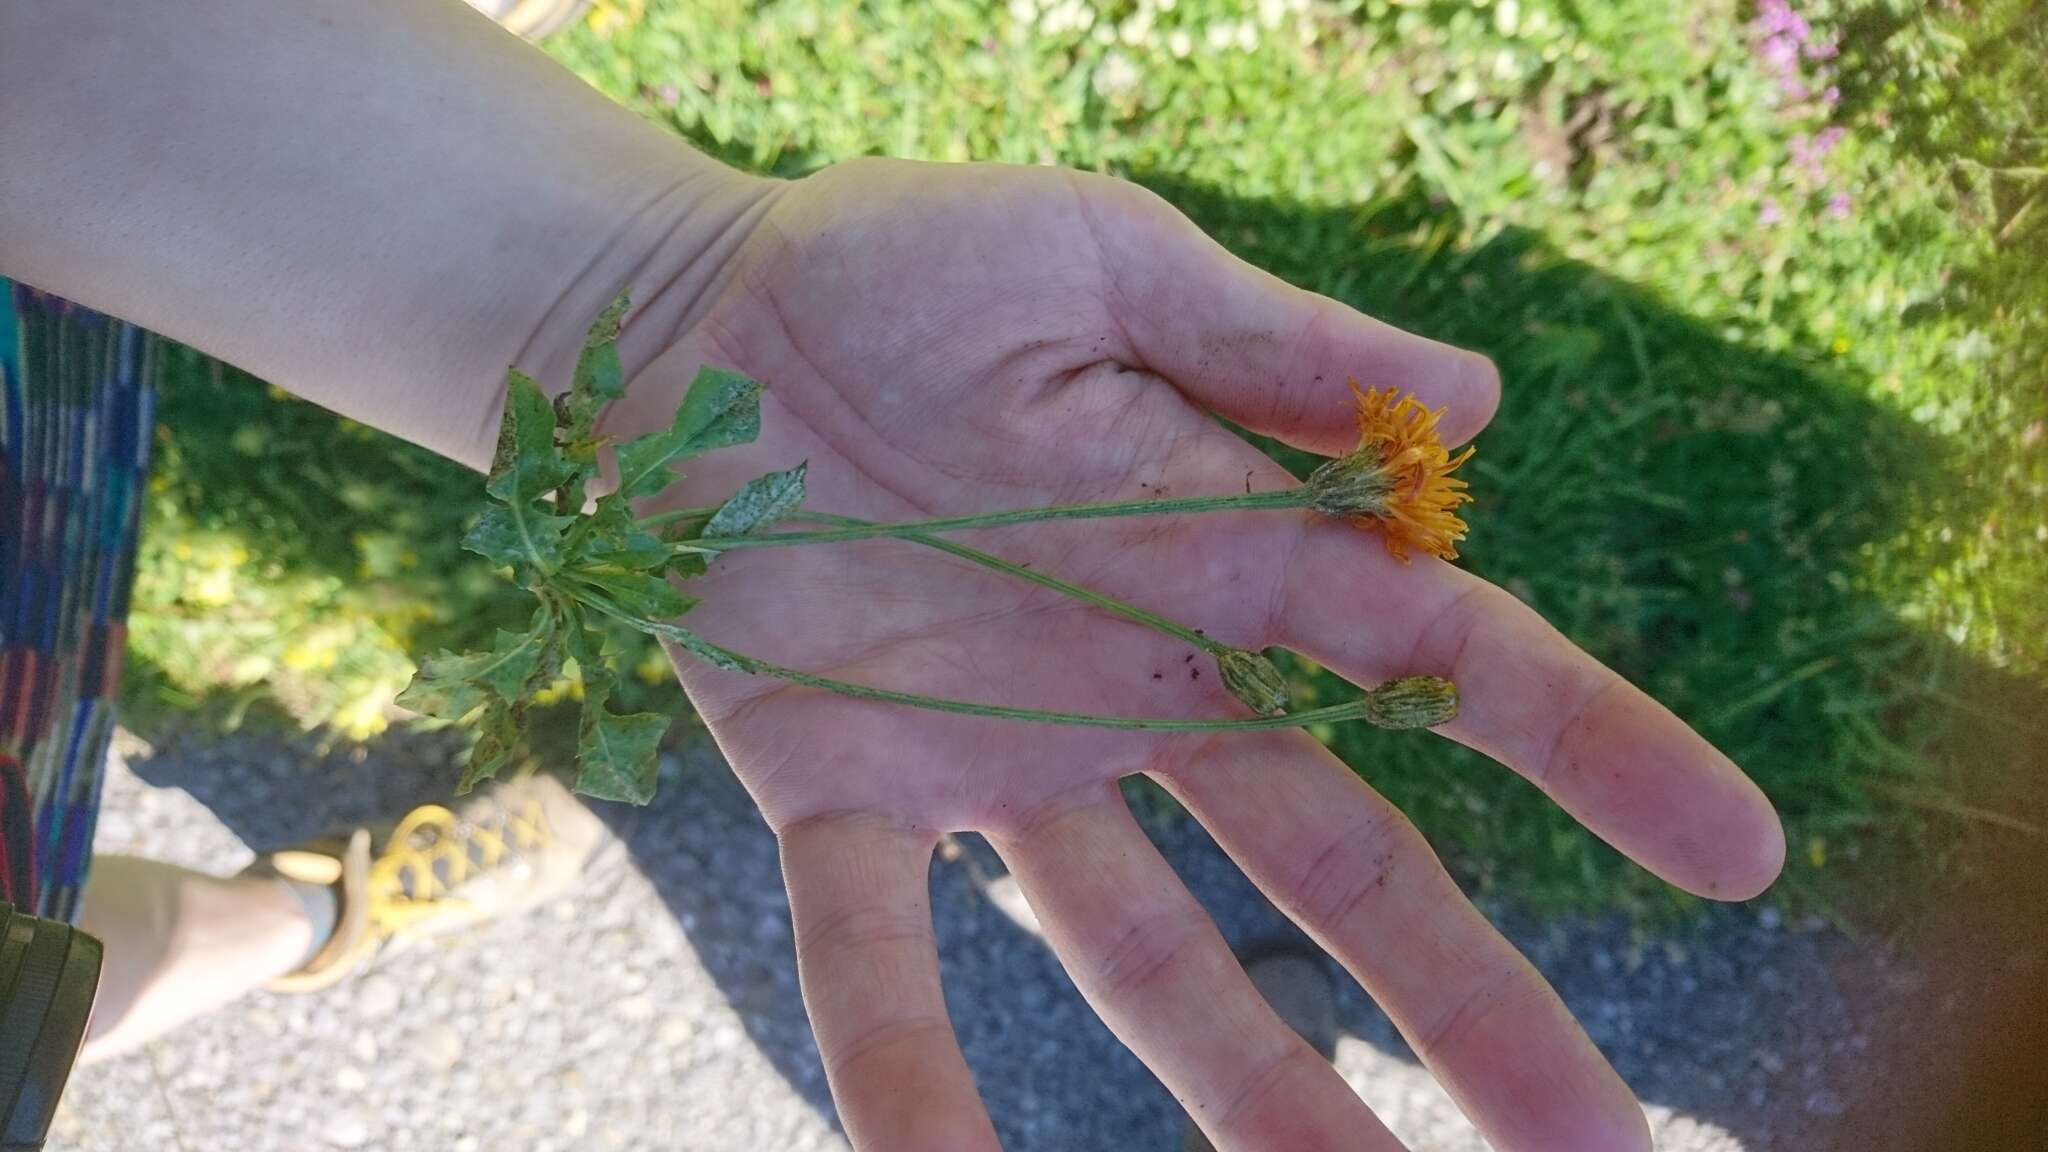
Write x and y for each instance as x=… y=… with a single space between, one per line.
x=1257 y=350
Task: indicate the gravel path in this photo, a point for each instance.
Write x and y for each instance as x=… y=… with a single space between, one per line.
x=659 y=1009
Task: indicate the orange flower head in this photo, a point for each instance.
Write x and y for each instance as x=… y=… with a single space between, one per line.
x=1398 y=479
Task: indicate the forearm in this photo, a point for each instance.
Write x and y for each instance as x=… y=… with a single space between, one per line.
x=378 y=205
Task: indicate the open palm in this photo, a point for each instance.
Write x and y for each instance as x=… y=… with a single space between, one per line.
x=952 y=340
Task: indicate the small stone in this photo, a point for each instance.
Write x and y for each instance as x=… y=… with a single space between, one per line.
x=348 y=1130
x=351 y=1079
x=635 y=1008
x=364 y=1047
x=673 y=1032
x=466 y=1143
x=377 y=997
x=1768 y=918
x=577 y=1124
x=442 y=1047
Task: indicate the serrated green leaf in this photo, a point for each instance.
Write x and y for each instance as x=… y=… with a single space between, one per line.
x=721 y=409
x=516 y=663
x=527 y=463
x=496 y=736
x=598 y=378
x=616 y=756
x=519 y=433
x=518 y=534
x=759 y=503
x=445 y=686
x=448 y=686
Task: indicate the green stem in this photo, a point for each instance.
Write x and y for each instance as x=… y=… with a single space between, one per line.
x=718 y=655
x=664 y=519
x=1087 y=596
x=1297 y=497
x=1354 y=710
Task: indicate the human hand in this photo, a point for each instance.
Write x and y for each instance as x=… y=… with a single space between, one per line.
x=950 y=340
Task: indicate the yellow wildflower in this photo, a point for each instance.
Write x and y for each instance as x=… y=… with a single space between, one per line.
x=1399 y=478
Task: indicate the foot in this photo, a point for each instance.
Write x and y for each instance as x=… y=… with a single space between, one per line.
x=502 y=849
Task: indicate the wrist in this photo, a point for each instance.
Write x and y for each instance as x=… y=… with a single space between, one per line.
x=669 y=251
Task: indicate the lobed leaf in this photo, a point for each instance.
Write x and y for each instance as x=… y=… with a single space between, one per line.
x=527 y=465
x=721 y=409
x=519 y=535
x=616 y=755
x=445 y=686
x=497 y=735
x=519 y=663
x=598 y=378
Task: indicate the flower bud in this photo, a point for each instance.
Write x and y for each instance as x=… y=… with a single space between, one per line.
x=1412 y=702
x=1253 y=679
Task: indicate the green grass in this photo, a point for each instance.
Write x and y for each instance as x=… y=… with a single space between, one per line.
x=1776 y=471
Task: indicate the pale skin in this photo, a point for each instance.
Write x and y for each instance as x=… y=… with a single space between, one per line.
x=935 y=341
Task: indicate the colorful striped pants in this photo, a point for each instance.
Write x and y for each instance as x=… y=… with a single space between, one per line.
x=77 y=404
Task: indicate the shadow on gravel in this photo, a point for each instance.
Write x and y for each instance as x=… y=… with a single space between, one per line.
x=1700 y=1010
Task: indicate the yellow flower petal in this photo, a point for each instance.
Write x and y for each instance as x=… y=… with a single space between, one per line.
x=1420 y=508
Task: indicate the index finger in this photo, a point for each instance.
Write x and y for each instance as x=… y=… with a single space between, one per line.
x=870 y=975
x=1251 y=347
x=1603 y=750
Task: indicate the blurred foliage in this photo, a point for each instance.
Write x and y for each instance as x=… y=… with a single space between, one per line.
x=1961 y=93
x=1758 y=281
x=292 y=559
